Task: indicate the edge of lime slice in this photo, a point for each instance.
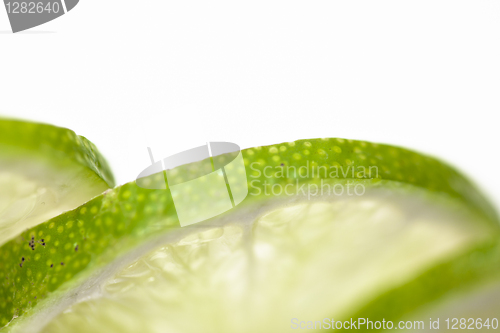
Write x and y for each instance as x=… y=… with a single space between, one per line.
x=93 y=235
x=54 y=142
x=44 y=171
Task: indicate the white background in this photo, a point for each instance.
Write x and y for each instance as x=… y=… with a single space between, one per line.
x=175 y=74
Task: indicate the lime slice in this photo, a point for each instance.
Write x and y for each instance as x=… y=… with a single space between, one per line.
x=44 y=171
x=121 y=262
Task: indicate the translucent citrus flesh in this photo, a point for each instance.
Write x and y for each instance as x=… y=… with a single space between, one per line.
x=480 y=303
x=260 y=263
x=44 y=171
x=308 y=260
x=33 y=194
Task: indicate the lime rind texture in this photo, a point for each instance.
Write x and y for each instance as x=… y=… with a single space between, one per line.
x=363 y=160
x=81 y=240
x=53 y=143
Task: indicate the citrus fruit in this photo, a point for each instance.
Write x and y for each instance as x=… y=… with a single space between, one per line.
x=44 y=171
x=331 y=228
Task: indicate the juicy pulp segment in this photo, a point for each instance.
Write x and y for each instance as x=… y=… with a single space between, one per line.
x=29 y=197
x=44 y=171
x=309 y=259
x=476 y=305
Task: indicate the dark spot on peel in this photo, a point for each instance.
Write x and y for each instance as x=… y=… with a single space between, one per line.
x=76 y=248
x=52 y=265
x=62 y=264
